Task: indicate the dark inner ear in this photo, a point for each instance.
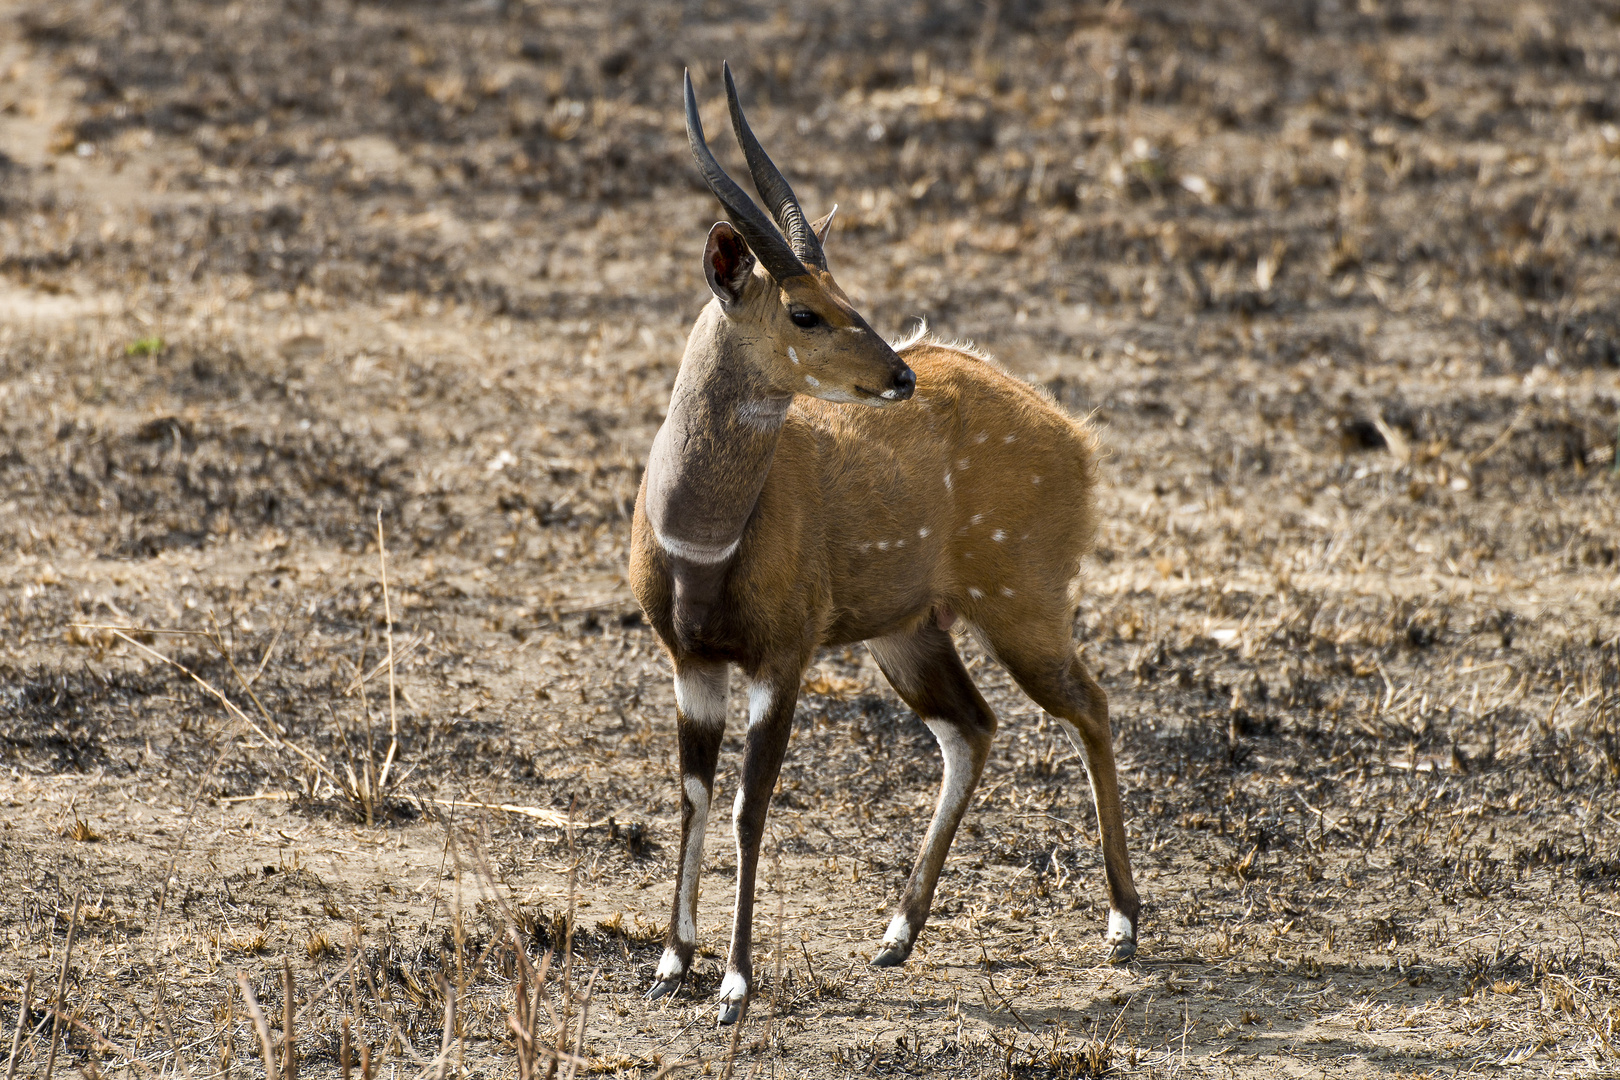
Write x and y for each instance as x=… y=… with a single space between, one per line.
x=727 y=262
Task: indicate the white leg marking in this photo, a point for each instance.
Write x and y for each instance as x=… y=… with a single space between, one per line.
x=958 y=757
x=734 y=988
x=899 y=931
x=1079 y=744
x=700 y=694
x=760 y=695
x=669 y=966
x=1119 y=928
x=685 y=926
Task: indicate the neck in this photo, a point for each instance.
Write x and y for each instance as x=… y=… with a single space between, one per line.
x=710 y=458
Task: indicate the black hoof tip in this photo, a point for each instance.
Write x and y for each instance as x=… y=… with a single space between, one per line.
x=730 y=1013
x=1122 y=952
x=662 y=988
x=891 y=956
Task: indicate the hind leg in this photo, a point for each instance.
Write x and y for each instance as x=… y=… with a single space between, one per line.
x=1046 y=666
x=924 y=669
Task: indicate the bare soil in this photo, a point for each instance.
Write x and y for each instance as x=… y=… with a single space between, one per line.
x=1335 y=282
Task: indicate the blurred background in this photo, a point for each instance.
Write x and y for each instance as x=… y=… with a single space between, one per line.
x=1334 y=281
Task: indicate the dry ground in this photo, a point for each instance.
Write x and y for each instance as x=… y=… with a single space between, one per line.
x=1336 y=282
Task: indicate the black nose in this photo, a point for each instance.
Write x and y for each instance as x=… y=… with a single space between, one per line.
x=905 y=383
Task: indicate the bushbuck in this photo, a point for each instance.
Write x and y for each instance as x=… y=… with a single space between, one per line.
x=812 y=486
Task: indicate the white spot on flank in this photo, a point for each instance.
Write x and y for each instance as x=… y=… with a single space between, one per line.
x=793 y=354
x=883 y=545
x=948 y=484
x=963 y=463
x=981 y=436
x=866 y=545
x=999 y=535
x=1120 y=928
x=1010 y=438
x=1034 y=479
x=1006 y=591
x=924 y=531
x=975 y=519
x=812 y=380
x=975 y=593
x=733 y=988
x=899 y=543
x=899 y=931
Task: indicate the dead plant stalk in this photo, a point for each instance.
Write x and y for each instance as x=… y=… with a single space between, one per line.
x=61 y=984
x=388 y=626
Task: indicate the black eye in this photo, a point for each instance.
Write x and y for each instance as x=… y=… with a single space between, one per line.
x=804 y=319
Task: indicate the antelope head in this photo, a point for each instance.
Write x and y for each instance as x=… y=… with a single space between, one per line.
x=775 y=291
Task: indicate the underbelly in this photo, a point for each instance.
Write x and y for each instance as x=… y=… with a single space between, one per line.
x=895 y=615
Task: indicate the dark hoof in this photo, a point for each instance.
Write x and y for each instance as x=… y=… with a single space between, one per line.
x=662 y=988
x=730 y=1013
x=1122 y=952
x=891 y=956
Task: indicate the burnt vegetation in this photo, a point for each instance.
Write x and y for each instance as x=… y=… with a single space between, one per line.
x=1334 y=283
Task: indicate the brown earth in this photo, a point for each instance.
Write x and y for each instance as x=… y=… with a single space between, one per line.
x=1334 y=281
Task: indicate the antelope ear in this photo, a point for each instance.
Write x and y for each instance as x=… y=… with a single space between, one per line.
x=727 y=262
x=823 y=226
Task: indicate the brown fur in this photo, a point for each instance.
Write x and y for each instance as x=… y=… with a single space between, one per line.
x=846 y=523
x=794 y=499
x=833 y=549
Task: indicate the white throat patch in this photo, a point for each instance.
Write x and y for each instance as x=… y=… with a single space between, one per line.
x=694 y=552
